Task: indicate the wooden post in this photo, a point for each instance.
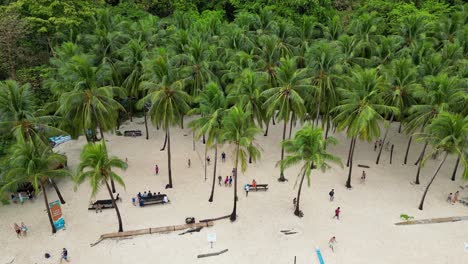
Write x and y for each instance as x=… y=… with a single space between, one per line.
x=391 y=154
x=294 y=259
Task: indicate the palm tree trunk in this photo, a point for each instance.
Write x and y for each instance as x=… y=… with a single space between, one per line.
x=113 y=185
x=86 y=135
x=102 y=133
x=204 y=140
x=62 y=201
x=193 y=140
x=214 y=173
x=119 y=218
x=456 y=168
x=350 y=149
x=130 y=110
x=234 y=210
x=165 y=142
x=146 y=123
x=182 y=122
x=385 y=137
x=297 y=211
x=46 y=201
x=399 y=128
x=328 y=128
x=169 y=157
x=317 y=117
x=433 y=177
x=273 y=119
x=416 y=181
x=282 y=178
x=407 y=149
x=206 y=150
x=421 y=155
x=348 y=182
x=266 y=130
x=291 y=126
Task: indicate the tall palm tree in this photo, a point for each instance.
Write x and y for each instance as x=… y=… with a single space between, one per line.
x=96 y=167
x=169 y=102
x=90 y=104
x=288 y=98
x=239 y=131
x=35 y=164
x=402 y=84
x=447 y=133
x=309 y=148
x=212 y=107
x=361 y=109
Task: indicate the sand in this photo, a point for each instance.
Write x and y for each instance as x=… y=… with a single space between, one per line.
x=365 y=232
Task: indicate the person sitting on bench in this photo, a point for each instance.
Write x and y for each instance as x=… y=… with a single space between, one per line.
x=165 y=200
x=139 y=195
x=150 y=194
x=254 y=184
x=145 y=195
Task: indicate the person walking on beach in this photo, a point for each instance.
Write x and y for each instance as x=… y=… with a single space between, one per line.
x=363 y=177
x=220 y=179
x=331 y=243
x=247 y=188
x=449 y=198
x=455 y=197
x=230 y=181
x=64 y=255
x=17 y=230
x=375 y=145
x=226 y=181
x=337 y=213
x=24 y=229
x=156 y=169
x=223 y=157
x=189 y=163
x=332 y=195
x=208 y=160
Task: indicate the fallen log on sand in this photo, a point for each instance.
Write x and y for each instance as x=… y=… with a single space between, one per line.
x=215 y=219
x=212 y=254
x=146 y=231
x=434 y=220
x=363 y=166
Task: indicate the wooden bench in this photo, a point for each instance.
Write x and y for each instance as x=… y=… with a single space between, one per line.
x=260 y=187
x=157 y=199
x=104 y=204
x=132 y=133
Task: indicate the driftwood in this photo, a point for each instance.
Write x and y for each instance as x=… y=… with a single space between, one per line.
x=212 y=254
x=145 y=231
x=290 y=233
x=215 y=219
x=434 y=220
x=363 y=166
x=198 y=229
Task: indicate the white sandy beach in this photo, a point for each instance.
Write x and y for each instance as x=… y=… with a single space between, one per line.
x=365 y=232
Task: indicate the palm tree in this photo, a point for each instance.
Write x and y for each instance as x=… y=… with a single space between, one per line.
x=212 y=106
x=90 y=103
x=447 y=133
x=288 y=98
x=96 y=166
x=361 y=109
x=402 y=84
x=35 y=164
x=239 y=131
x=169 y=103
x=309 y=148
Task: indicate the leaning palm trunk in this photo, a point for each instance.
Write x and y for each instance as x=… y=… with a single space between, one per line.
x=433 y=177
x=146 y=123
x=214 y=173
x=46 y=201
x=407 y=149
x=456 y=168
x=59 y=194
x=169 y=157
x=282 y=178
x=165 y=142
x=383 y=142
x=291 y=126
x=350 y=149
x=353 y=144
x=416 y=181
x=234 y=210
x=206 y=150
x=297 y=211
x=119 y=218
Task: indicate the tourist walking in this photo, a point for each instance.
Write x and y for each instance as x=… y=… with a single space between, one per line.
x=455 y=197
x=208 y=159
x=337 y=213
x=449 y=198
x=247 y=188
x=331 y=243
x=332 y=195
x=375 y=145
x=220 y=179
x=156 y=169
x=223 y=157
x=17 y=230
x=226 y=181
x=64 y=255
x=363 y=177
x=230 y=181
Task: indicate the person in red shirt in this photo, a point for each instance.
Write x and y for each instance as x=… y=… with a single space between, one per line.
x=337 y=213
x=254 y=184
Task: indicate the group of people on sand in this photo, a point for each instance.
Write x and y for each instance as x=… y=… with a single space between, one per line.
x=140 y=197
x=227 y=181
x=332 y=241
x=21 y=230
x=21 y=197
x=452 y=199
x=379 y=143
